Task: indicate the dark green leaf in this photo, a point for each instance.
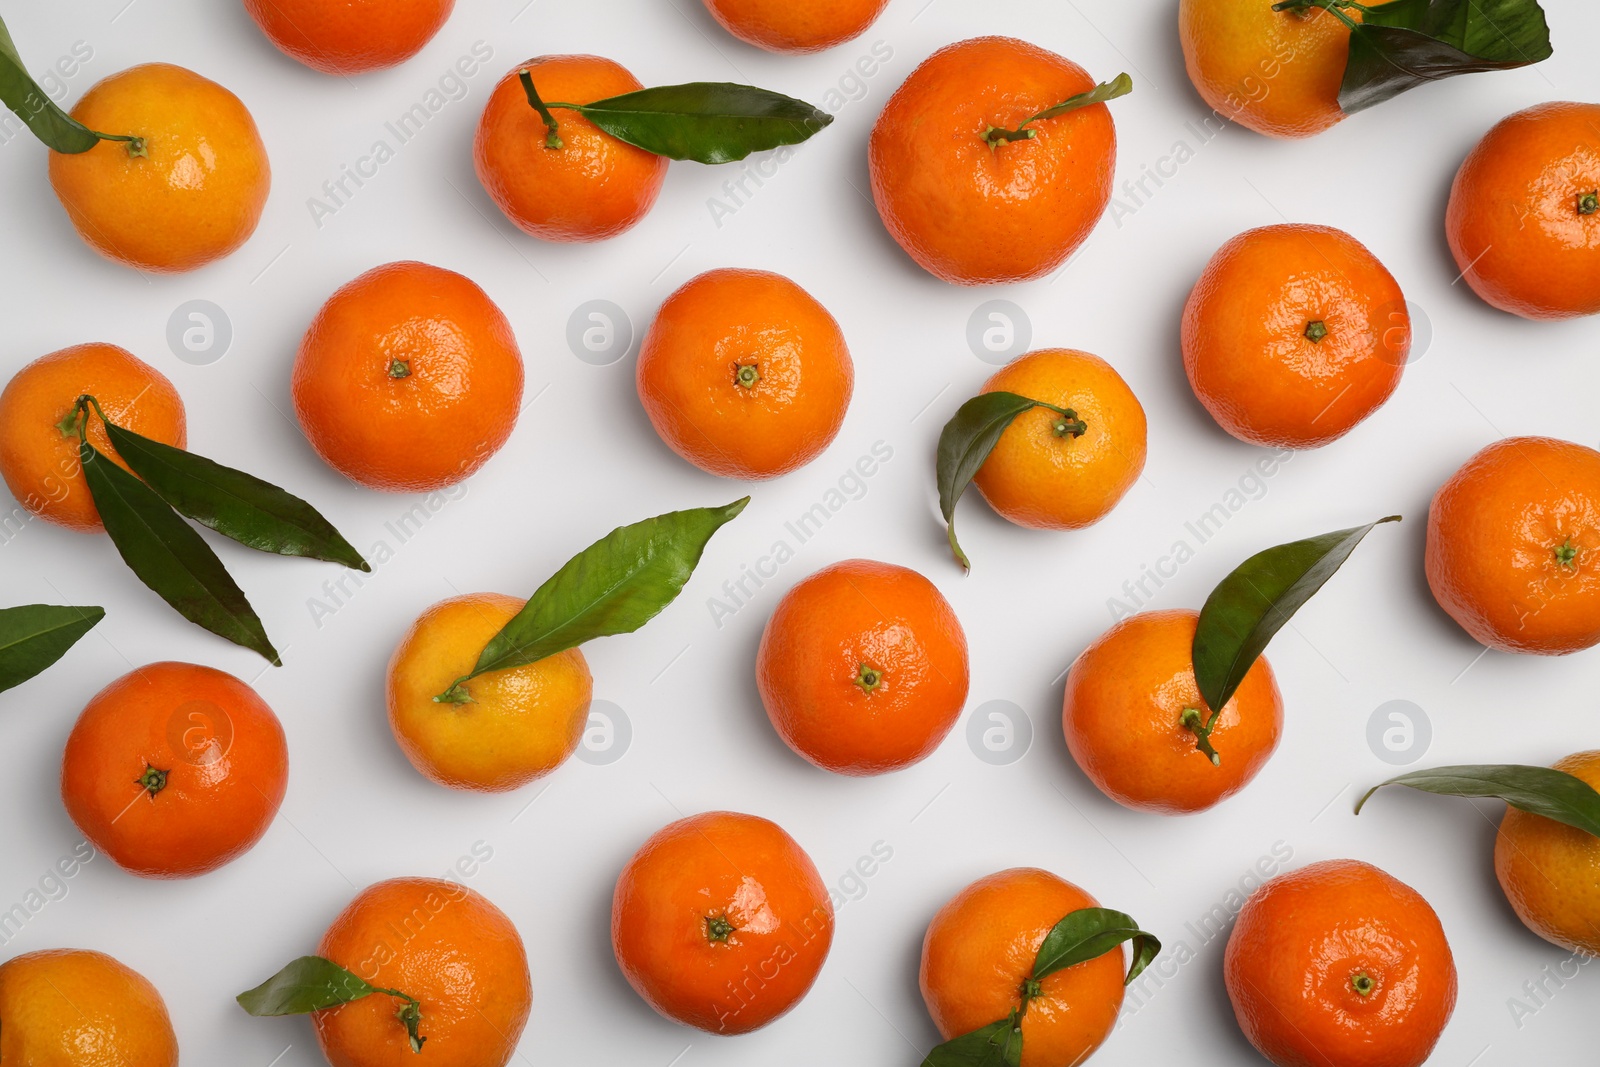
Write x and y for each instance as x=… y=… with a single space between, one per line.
x=34 y=636
x=233 y=503
x=1251 y=605
x=706 y=122
x=1088 y=934
x=23 y=96
x=964 y=443
x=168 y=556
x=1542 y=790
x=1403 y=44
x=309 y=984
x=997 y=1045
x=1121 y=85
x=614 y=586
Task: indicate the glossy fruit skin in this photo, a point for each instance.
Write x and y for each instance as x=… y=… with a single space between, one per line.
x=1035 y=477
x=1121 y=714
x=1514 y=220
x=1275 y=72
x=1497 y=532
x=594 y=186
x=447 y=946
x=1245 y=346
x=975 y=215
x=349 y=36
x=705 y=334
x=193 y=198
x=1302 y=939
x=226 y=764
x=809 y=665
x=784 y=26
x=40 y=463
x=1550 y=872
x=78 y=1008
x=442 y=418
x=721 y=866
x=981 y=946
x=521 y=723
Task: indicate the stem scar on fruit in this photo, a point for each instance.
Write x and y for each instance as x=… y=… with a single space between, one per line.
x=1121 y=85
x=747 y=375
x=719 y=928
x=152 y=781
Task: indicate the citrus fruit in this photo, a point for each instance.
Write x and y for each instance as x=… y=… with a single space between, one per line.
x=1513 y=546
x=974 y=211
x=516 y=725
x=174 y=769
x=1131 y=697
x=77 y=1008
x=593 y=186
x=744 y=374
x=194 y=194
x=349 y=36
x=408 y=379
x=782 y=26
x=980 y=949
x=1550 y=871
x=720 y=921
x=1338 y=964
x=1275 y=72
x=1523 y=219
x=443 y=945
x=863 y=667
x=1293 y=335
x=1056 y=473
x=39 y=459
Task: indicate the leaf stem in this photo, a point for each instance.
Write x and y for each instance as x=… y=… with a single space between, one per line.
x=552 y=139
x=1202 y=732
x=1121 y=85
x=1333 y=7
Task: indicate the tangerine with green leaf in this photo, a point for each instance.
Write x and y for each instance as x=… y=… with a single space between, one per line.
x=721 y=922
x=174 y=770
x=80 y=1008
x=1513 y=546
x=863 y=667
x=1523 y=220
x=994 y=160
x=1339 y=964
x=783 y=26
x=188 y=191
x=744 y=374
x=507 y=727
x=408 y=379
x=1550 y=872
x=349 y=36
x=38 y=424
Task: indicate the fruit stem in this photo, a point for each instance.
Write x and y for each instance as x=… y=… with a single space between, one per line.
x=1589 y=203
x=1202 y=732
x=399 y=368
x=1316 y=330
x=136 y=145
x=1566 y=553
x=1121 y=85
x=868 y=678
x=1363 y=984
x=552 y=140
x=1069 y=425
x=153 y=781
x=747 y=375
x=1334 y=7
x=457 y=693
x=410 y=1016
x=719 y=928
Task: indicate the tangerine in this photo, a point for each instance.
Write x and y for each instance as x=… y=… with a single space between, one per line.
x=78 y=1008
x=781 y=26
x=1550 y=872
x=349 y=36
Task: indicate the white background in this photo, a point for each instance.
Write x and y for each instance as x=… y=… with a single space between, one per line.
x=584 y=459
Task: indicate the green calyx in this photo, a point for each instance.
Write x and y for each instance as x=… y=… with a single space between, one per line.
x=1068 y=424
x=1566 y=554
x=1363 y=984
x=868 y=678
x=1316 y=330
x=718 y=929
x=152 y=780
x=399 y=368
x=1201 y=727
x=1589 y=203
x=747 y=375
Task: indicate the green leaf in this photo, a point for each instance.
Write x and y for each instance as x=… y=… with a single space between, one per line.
x=309 y=984
x=168 y=556
x=233 y=503
x=614 y=586
x=1251 y=605
x=964 y=444
x=1400 y=45
x=706 y=122
x=23 y=96
x=997 y=1045
x=1541 y=790
x=34 y=636
x=1088 y=934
